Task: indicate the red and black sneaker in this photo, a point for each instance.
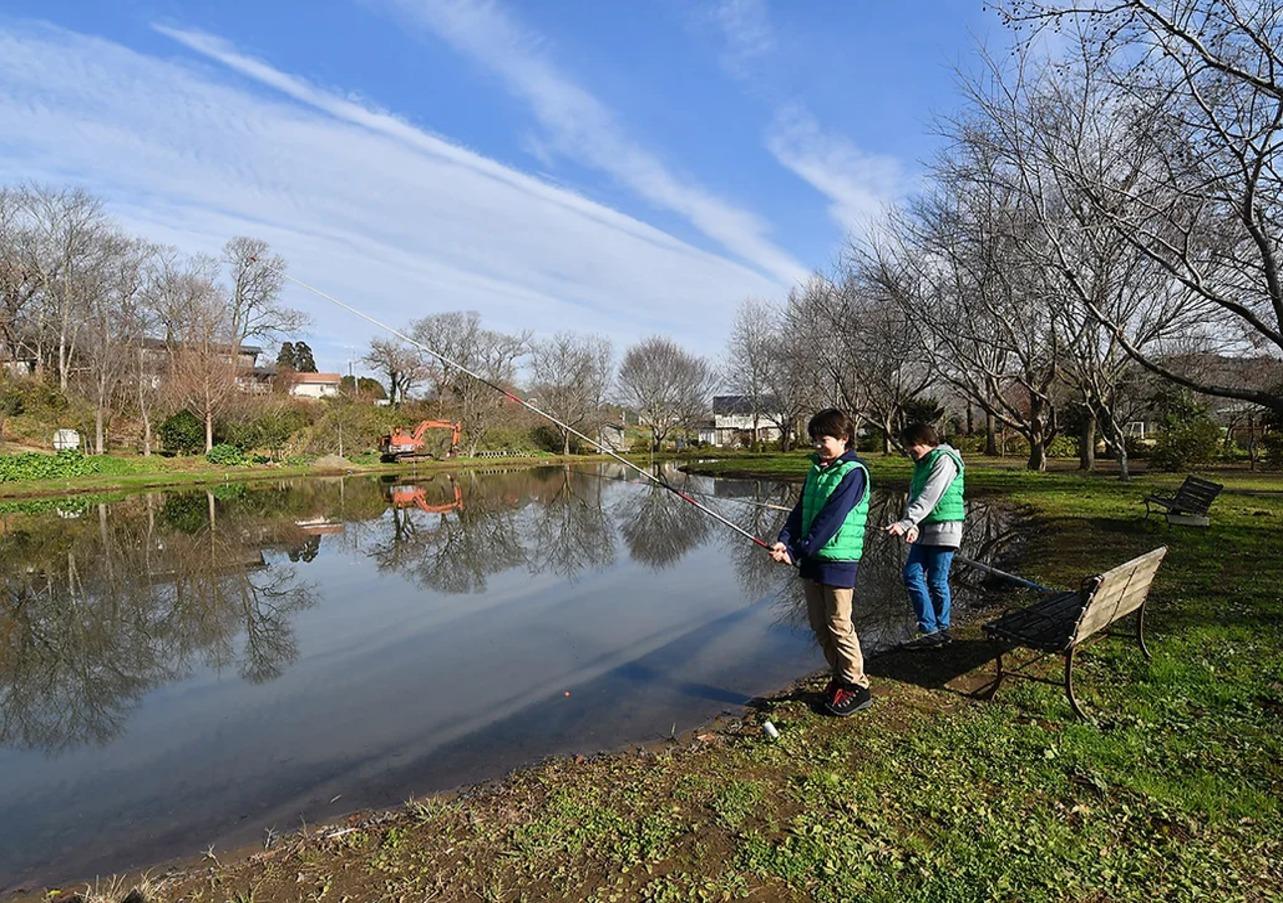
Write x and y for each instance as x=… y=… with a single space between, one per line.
x=849 y=699
x=829 y=689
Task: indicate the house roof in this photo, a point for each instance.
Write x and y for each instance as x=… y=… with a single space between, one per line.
x=739 y=404
x=316 y=379
x=160 y=345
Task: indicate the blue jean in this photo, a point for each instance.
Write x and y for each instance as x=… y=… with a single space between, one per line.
x=926 y=577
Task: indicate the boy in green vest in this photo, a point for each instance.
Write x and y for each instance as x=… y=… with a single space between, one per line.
x=825 y=535
x=932 y=522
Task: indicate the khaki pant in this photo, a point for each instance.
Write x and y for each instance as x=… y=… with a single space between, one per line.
x=829 y=609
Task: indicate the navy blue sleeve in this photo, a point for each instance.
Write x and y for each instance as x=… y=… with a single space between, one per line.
x=792 y=526
x=829 y=520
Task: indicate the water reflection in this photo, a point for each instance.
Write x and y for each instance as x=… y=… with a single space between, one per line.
x=185 y=663
x=97 y=610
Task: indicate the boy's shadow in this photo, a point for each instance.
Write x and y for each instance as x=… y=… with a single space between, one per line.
x=959 y=667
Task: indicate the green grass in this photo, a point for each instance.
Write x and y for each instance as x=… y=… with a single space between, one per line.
x=1172 y=793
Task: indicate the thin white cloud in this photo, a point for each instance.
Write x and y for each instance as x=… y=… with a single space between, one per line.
x=747 y=29
x=383 y=214
x=858 y=185
x=581 y=127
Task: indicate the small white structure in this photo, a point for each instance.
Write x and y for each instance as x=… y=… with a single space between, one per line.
x=612 y=437
x=65 y=439
x=315 y=385
x=733 y=420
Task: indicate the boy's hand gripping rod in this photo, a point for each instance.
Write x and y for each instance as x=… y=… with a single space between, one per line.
x=530 y=407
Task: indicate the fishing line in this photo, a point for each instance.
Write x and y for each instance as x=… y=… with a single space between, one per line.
x=530 y=407
x=707 y=495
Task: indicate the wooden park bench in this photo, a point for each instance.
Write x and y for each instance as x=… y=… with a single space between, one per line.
x=1188 y=505
x=1061 y=622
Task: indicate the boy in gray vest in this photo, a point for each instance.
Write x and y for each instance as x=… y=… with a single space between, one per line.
x=825 y=535
x=932 y=523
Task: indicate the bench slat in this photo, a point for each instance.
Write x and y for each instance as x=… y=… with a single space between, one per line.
x=1046 y=624
x=1118 y=592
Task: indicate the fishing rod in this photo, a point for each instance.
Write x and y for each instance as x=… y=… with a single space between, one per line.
x=1003 y=574
x=658 y=481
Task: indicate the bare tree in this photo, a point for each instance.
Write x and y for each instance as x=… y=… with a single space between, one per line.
x=401 y=364
x=750 y=357
x=206 y=360
x=668 y=386
x=1200 y=81
x=571 y=375
x=791 y=379
x=492 y=355
x=175 y=285
x=68 y=231
x=19 y=285
x=114 y=324
x=256 y=276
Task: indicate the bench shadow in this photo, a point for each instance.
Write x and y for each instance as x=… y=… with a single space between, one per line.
x=965 y=666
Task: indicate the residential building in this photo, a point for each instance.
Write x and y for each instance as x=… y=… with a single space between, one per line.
x=733 y=421
x=314 y=385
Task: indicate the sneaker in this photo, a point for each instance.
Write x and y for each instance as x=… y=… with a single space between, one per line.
x=945 y=636
x=847 y=700
x=830 y=689
x=925 y=641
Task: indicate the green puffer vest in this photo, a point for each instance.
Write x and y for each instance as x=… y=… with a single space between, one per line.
x=950 y=506
x=848 y=543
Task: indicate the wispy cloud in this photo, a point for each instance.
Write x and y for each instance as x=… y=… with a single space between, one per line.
x=856 y=183
x=383 y=213
x=580 y=127
x=747 y=30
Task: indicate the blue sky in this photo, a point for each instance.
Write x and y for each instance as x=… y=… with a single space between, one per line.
x=619 y=168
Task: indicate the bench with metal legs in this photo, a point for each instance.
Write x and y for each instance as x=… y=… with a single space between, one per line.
x=1061 y=622
x=1188 y=505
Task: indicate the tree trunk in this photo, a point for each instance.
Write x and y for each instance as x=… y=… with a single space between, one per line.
x=971 y=423
x=991 y=436
x=98 y=430
x=565 y=442
x=1087 y=444
x=1037 y=452
x=209 y=431
x=146 y=415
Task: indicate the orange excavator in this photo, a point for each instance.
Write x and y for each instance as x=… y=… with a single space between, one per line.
x=407 y=495
x=406 y=445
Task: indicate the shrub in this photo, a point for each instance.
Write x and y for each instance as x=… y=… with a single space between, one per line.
x=182 y=432
x=1063 y=446
x=1139 y=448
x=1273 y=443
x=1188 y=444
x=225 y=455
x=35 y=466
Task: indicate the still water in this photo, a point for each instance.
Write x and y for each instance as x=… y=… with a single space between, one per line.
x=182 y=669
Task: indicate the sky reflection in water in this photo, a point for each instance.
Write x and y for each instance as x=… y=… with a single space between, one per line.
x=184 y=668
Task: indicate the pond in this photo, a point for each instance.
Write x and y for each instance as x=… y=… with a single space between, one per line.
x=182 y=669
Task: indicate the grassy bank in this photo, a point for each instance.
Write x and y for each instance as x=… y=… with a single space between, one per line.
x=1173 y=793
x=111 y=473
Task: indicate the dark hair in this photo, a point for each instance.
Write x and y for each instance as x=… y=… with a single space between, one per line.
x=919 y=434
x=832 y=422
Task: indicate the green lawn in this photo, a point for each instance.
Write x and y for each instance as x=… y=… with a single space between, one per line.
x=1172 y=794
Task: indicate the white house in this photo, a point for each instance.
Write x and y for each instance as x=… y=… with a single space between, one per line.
x=315 y=385
x=733 y=421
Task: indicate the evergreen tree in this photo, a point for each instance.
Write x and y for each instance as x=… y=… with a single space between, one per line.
x=286 y=358
x=303 y=360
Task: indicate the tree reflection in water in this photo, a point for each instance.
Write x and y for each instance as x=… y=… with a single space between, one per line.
x=99 y=608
